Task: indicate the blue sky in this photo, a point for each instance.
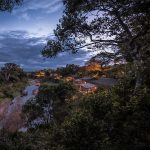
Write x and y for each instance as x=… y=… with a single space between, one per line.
x=24 y=32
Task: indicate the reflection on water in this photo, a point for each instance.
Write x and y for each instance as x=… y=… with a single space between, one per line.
x=12 y=118
x=30 y=89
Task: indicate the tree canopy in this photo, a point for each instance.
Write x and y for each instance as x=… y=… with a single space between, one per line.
x=122 y=27
x=11 y=72
x=69 y=69
x=8 y=5
x=111 y=119
x=49 y=104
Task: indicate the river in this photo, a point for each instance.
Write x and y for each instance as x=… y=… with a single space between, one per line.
x=12 y=117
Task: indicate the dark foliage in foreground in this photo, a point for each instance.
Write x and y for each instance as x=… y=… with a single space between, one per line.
x=109 y=120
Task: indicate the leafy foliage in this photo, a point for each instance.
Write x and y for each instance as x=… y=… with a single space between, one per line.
x=109 y=120
x=7 y=5
x=112 y=119
x=12 y=72
x=49 y=104
x=12 y=81
x=70 y=69
x=119 y=27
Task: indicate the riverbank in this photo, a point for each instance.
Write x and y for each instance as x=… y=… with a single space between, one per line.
x=10 y=90
x=11 y=116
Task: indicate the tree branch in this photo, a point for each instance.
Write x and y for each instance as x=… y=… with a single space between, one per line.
x=141 y=33
x=124 y=26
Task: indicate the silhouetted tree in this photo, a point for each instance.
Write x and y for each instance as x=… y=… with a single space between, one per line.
x=70 y=69
x=11 y=72
x=120 y=26
x=8 y=5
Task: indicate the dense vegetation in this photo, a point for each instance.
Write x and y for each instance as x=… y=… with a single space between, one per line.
x=118 y=30
x=50 y=104
x=8 y=5
x=70 y=69
x=115 y=119
x=12 y=80
x=112 y=119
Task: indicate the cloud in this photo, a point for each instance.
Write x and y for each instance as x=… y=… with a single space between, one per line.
x=55 y=8
x=48 y=6
x=35 y=16
x=24 y=49
x=24 y=16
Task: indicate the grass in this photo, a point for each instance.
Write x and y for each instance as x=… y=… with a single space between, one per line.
x=11 y=90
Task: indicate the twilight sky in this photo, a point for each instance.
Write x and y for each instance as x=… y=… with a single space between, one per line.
x=24 y=32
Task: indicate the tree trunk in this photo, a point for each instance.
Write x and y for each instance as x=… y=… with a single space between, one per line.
x=138 y=67
x=139 y=77
x=7 y=76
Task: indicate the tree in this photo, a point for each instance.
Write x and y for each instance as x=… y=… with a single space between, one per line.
x=49 y=104
x=104 y=59
x=70 y=69
x=122 y=27
x=7 y=5
x=108 y=120
x=11 y=72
